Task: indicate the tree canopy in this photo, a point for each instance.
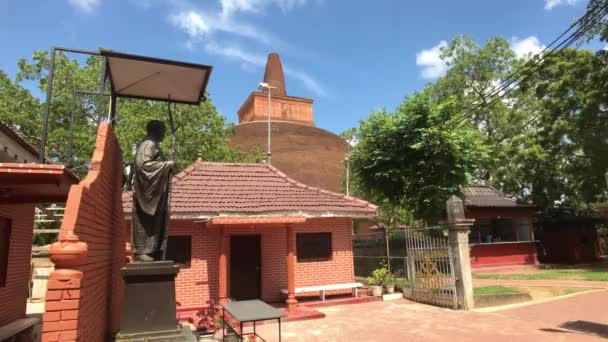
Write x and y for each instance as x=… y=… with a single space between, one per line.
x=416 y=156
x=543 y=142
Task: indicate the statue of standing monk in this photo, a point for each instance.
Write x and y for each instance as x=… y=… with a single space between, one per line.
x=151 y=189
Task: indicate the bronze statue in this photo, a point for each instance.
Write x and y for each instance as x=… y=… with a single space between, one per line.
x=151 y=190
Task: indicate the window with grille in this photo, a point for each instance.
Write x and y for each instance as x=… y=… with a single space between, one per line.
x=313 y=246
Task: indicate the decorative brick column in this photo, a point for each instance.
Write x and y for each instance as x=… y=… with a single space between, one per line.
x=291 y=301
x=458 y=236
x=63 y=295
x=223 y=281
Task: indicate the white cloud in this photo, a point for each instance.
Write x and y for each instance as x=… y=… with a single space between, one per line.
x=197 y=24
x=550 y=4
x=230 y=7
x=201 y=28
x=86 y=6
x=430 y=60
x=526 y=47
x=236 y=53
x=252 y=59
x=309 y=82
x=191 y=22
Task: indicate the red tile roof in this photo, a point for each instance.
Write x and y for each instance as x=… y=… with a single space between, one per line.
x=34 y=183
x=212 y=189
x=486 y=196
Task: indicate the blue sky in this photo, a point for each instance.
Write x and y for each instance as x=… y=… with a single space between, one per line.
x=350 y=56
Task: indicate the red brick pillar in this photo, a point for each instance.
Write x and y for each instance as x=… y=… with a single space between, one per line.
x=60 y=319
x=223 y=264
x=291 y=301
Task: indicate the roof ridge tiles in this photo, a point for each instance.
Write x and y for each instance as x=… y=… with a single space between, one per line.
x=331 y=193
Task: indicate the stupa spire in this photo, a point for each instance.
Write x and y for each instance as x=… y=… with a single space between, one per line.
x=274 y=74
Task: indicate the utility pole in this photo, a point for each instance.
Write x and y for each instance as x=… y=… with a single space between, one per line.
x=268 y=87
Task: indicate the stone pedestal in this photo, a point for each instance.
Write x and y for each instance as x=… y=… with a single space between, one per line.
x=149 y=305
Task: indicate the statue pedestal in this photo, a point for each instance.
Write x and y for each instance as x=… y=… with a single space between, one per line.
x=149 y=305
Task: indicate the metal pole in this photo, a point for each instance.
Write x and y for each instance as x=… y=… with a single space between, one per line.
x=71 y=139
x=102 y=86
x=47 y=107
x=347 y=177
x=112 y=109
x=269 y=108
x=388 y=253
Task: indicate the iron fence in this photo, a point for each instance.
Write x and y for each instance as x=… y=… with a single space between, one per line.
x=420 y=258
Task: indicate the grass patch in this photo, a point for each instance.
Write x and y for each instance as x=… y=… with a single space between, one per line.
x=598 y=273
x=403 y=282
x=495 y=290
x=572 y=290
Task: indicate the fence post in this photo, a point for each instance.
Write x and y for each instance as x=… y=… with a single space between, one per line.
x=388 y=253
x=459 y=228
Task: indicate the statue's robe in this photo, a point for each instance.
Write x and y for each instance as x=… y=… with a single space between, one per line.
x=151 y=212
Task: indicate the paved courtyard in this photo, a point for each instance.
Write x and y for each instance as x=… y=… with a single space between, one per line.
x=407 y=321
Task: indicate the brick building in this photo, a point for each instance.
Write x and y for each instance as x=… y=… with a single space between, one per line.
x=22 y=187
x=503 y=233
x=306 y=153
x=13 y=149
x=246 y=231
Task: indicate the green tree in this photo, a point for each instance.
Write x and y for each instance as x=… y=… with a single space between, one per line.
x=412 y=160
x=570 y=134
x=598 y=27
x=19 y=109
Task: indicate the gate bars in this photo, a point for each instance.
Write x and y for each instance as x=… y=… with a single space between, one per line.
x=421 y=259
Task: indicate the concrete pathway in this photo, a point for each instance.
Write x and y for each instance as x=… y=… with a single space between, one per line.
x=403 y=320
x=539 y=282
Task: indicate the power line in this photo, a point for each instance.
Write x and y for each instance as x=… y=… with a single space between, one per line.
x=507 y=81
x=538 y=61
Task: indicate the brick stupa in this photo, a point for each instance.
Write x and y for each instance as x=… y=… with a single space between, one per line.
x=283 y=107
x=304 y=152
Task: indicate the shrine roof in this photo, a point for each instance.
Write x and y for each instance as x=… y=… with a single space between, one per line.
x=206 y=189
x=486 y=196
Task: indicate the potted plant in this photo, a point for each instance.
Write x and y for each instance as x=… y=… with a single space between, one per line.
x=389 y=282
x=206 y=322
x=376 y=280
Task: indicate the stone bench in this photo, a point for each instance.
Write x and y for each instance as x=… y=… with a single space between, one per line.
x=18 y=330
x=322 y=288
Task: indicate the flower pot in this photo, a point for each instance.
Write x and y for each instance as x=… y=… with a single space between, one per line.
x=376 y=290
x=205 y=335
x=390 y=289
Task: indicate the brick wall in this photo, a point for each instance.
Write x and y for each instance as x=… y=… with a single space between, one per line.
x=13 y=295
x=84 y=293
x=199 y=282
x=282 y=108
x=502 y=254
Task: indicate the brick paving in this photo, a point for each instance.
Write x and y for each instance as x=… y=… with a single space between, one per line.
x=407 y=321
x=587 y=311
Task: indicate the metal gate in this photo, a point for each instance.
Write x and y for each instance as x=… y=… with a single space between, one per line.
x=430 y=268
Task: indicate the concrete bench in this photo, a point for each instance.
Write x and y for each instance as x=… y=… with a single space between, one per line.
x=14 y=329
x=322 y=288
